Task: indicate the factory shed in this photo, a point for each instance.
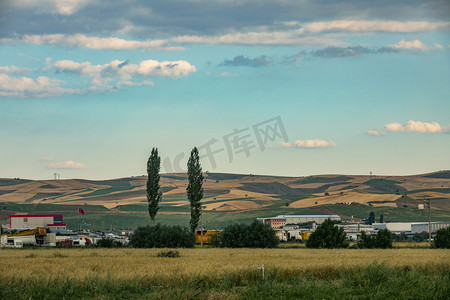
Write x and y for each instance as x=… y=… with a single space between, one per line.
x=283 y=220
x=34 y=221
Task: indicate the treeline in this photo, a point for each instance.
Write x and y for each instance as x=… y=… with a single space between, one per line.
x=328 y=235
x=255 y=235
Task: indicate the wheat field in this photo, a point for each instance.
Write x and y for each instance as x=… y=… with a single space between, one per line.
x=129 y=263
x=224 y=274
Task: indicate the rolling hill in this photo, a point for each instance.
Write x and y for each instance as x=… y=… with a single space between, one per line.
x=229 y=197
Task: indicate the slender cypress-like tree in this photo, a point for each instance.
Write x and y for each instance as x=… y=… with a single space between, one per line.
x=371 y=218
x=195 y=187
x=153 y=193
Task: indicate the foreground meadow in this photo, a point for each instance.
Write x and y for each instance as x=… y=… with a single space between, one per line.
x=225 y=274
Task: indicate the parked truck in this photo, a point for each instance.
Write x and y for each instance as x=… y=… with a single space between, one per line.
x=27 y=237
x=17 y=241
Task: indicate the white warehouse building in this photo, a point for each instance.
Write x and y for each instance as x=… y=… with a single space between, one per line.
x=283 y=220
x=423 y=227
x=416 y=227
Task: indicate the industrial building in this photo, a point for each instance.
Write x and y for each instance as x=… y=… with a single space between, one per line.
x=283 y=220
x=34 y=221
x=411 y=228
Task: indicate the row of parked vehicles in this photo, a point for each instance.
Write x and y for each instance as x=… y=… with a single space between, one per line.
x=41 y=237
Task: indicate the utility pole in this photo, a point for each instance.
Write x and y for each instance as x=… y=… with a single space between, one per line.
x=428 y=203
x=201 y=232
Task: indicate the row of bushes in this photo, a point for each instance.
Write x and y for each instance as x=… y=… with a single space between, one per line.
x=162 y=236
x=255 y=235
x=328 y=235
x=259 y=235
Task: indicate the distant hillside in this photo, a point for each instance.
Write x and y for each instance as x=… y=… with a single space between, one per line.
x=228 y=195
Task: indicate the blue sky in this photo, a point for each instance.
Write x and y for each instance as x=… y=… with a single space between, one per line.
x=88 y=87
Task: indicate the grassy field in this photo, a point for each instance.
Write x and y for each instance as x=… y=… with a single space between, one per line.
x=133 y=215
x=225 y=274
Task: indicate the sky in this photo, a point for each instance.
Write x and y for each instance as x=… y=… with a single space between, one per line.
x=281 y=87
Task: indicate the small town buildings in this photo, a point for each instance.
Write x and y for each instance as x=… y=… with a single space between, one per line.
x=283 y=220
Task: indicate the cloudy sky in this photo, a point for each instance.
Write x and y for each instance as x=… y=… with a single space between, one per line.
x=283 y=87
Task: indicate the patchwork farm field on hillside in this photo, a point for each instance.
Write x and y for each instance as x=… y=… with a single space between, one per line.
x=229 y=198
x=225 y=274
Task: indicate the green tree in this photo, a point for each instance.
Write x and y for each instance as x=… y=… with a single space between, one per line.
x=366 y=241
x=327 y=235
x=442 y=238
x=371 y=218
x=418 y=238
x=255 y=235
x=153 y=193
x=383 y=239
x=195 y=188
x=381 y=219
x=162 y=236
x=215 y=240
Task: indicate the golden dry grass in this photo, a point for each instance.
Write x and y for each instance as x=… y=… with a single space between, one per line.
x=132 y=263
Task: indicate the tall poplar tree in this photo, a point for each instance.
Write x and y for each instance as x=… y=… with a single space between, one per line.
x=195 y=187
x=371 y=218
x=153 y=193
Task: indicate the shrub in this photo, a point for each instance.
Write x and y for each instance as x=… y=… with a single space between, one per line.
x=215 y=240
x=418 y=238
x=442 y=238
x=383 y=239
x=169 y=253
x=162 y=236
x=255 y=235
x=327 y=235
x=108 y=243
x=400 y=237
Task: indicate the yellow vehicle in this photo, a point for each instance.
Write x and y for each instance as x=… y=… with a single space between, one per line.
x=38 y=232
x=208 y=236
x=305 y=235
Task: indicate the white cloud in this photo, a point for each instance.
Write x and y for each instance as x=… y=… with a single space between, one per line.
x=317 y=143
x=70 y=164
x=375 y=133
x=46 y=159
x=235 y=38
x=314 y=143
x=411 y=45
x=13 y=70
x=309 y=34
x=284 y=145
x=131 y=83
x=373 y=26
x=126 y=71
x=226 y=74
x=258 y=38
x=25 y=87
x=121 y=73
x=89 y=42
x=62 y=7
x=415 y=126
